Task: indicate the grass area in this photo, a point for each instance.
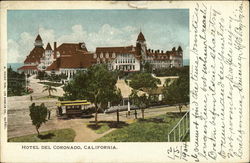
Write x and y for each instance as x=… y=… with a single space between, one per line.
x=153 y=129
x=51 y=84
x=103 y=127
x=62 y=135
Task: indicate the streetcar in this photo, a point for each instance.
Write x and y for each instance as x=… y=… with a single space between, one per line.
x=72 y=109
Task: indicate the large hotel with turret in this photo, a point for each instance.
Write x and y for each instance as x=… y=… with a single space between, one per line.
x=68 y=58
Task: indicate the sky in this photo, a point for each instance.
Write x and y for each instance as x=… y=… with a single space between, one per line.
x=163 y=29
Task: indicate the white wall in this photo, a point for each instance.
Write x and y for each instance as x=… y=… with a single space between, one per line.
x=126 y=59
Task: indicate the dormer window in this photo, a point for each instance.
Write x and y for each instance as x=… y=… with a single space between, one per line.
x=82 y=45
x=107 y=55
x=113 y=55
x=101 y=55
x=95 y=56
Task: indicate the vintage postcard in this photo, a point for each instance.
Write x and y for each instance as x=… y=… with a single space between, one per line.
x=127 y=81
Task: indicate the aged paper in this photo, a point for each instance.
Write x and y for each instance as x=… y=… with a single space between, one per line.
x=219 y=90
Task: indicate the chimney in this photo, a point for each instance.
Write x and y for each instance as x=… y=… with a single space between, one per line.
x=54 y=46
x=55 y=50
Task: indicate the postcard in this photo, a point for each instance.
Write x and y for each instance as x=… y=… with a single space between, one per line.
x=125 y=81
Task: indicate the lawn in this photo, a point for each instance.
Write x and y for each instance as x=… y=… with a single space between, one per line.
x=103 y=128
x=62 y=135
x=149 y=130
x=51 y=84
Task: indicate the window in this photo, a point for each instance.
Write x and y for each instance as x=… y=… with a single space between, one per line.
x=95 y=55
x=101 y=55
x=113 y=55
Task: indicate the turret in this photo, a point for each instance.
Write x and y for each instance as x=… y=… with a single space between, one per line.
x=141 y=45
x=180 y=51
x=38 y=41
x=48 y=47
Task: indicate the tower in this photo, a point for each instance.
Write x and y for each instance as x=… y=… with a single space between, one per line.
x=38 y=41
x=141 y=45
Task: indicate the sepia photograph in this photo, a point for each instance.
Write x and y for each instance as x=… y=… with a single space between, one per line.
x=95 y=75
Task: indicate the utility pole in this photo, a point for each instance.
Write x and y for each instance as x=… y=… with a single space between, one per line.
x=26 y=83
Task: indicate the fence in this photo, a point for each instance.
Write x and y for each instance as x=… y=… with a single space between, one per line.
x=180 y=130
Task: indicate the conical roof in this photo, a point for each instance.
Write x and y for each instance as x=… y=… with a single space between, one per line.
x=179 y=48
x=48 y=47
x=141 y=37
x=38 y=38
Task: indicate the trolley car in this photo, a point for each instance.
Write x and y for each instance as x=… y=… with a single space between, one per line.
x=71 y=109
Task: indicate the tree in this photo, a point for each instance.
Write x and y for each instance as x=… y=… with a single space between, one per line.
x=148 y=67
x=41 y=75
x=75 y=89
x=16 y=83
x=144 y=80
x=140 y=101
x=101 y=86
x=116 y=100
x=96 y=85
x=49 y=88
x=171 y=71
x=38 y=115
x=178 y=91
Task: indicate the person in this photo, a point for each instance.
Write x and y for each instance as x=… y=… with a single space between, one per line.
x=31 y=98
x=49 y=112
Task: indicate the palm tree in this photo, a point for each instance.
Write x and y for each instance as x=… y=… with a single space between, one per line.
x=49 y=88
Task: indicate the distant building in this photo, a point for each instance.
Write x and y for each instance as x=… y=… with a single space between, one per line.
x=69 y=58
x=131 y=58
